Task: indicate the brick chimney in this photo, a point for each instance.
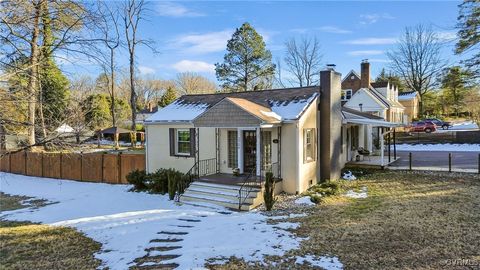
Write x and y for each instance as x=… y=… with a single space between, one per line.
x=365 y=74
x=330 y=123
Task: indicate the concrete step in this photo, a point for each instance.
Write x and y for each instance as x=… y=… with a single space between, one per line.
x=220 y=187
x=233 y=195
x=212 y=200
x=219 y=196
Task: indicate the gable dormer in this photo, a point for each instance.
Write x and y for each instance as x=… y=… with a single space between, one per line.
x=352 y=81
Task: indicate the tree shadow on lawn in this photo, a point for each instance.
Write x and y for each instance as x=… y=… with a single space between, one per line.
x=25 y=245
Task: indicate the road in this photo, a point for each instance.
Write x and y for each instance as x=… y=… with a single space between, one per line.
x=439 y=159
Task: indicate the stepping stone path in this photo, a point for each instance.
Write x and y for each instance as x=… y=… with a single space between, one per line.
x=154 y=259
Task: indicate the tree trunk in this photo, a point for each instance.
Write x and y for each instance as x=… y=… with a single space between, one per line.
x=133 y=96
x=3 y=138
x=33 y=78
x=112 y=79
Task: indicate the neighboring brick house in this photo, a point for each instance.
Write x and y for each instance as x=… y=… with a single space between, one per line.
x=410 y=100
x=380 y=99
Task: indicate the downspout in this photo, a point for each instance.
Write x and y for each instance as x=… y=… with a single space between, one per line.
x=297 y=153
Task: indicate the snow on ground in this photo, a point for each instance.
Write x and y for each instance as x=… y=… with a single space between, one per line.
x=323 y=262
x=125 y=222
x=305 y=200
x=467 y=125
x=357 y=195
x=439 y=147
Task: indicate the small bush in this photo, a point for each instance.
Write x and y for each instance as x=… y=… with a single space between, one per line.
x=318 y=192
x=158 y=181
x=173 y=178
x=268 y=195
x=138 y=179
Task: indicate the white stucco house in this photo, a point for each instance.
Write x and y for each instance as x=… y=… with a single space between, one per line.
x=302 y=135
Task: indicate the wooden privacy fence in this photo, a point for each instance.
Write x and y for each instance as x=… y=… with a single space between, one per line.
x=103 y=168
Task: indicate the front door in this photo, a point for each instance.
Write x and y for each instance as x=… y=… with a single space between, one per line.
x=249 y=150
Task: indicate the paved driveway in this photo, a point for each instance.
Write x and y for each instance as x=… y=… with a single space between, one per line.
x=438 y=159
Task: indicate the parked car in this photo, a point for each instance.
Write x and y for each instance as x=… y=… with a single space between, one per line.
x=423 y=126
x=439 y=123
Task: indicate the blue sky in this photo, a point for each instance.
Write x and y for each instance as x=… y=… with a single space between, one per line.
x=192 y=36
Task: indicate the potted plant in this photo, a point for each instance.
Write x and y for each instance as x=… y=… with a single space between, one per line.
x=236 y=172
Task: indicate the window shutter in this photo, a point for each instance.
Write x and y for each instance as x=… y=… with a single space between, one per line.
x=171 y=132
x=192 y=142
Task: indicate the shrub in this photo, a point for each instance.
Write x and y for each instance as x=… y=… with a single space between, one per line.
x=138 y=179
x=173 y=178
x=318 y=192
x=268 y=195
x=158 y=181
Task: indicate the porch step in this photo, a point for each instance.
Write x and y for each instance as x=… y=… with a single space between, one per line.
x=221 y=194
x=219 y=187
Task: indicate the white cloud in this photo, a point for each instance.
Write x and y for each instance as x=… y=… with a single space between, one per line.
x=375 y=17
x=193 y=66
x=365 y=52
x=378 y=60
x=203 y=43
x=447 y=35
x=146 y=70
x=371 y=41
x=334 y=29
x=170 y=9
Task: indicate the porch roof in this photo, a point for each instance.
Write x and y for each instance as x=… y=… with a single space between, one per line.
x=351 y=116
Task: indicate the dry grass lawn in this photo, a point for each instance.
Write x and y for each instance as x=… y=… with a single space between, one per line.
x=24 y=245
x=410 y=220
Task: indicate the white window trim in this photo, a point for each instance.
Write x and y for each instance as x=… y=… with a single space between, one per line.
x=177 y=141
x=305 y=146
x=344 y=98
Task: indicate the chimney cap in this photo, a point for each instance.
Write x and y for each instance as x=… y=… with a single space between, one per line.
x=365 y=60
x=331 y=66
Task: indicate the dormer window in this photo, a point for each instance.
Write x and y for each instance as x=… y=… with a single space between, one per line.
x=346 y=94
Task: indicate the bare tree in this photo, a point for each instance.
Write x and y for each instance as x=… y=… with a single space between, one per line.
x=21 y=26
x=150 y=90
x=303 y=59
x=278 y=80
x=111 y=40
x=417 y=59
x=192 y=83
x=133 y=13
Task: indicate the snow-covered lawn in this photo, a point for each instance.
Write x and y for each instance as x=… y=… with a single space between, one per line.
x=467 y=125
x=126 y=222
x=439 y=147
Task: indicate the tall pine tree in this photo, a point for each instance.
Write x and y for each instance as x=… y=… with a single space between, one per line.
x=54 y=85
x=248 y=64
x=455 y=86
x=469 y=33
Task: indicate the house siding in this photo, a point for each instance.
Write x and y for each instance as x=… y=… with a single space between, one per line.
x=158 y=154
x=308 y=172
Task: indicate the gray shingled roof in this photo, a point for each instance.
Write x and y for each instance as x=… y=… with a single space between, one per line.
x=261 y=97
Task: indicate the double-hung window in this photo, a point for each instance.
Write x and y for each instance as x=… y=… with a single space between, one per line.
x=182 y=142
x=308 y=145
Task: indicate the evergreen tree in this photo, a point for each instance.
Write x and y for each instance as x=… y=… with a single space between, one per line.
x=97 y=110
x=392 y=78
x=469 y=33
x=54 y=85
x=248 y=64
x=167 y=98
x=455 y=85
